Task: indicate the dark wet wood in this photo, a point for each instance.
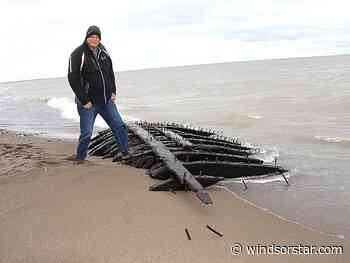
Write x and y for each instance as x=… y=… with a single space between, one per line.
x=168 y=158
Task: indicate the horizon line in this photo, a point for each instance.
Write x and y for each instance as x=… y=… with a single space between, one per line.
x=186 y=65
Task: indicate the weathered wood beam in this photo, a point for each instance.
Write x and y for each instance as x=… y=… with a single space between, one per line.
x=169 y=159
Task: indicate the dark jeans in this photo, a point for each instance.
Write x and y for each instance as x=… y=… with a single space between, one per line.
x=110 y=114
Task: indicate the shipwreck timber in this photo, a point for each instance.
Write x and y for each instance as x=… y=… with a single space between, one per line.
x=182 y=157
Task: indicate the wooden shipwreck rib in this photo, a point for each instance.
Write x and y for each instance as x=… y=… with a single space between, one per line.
x=184 y=158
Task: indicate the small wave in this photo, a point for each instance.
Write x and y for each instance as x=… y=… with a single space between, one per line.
x=268 y=178
x=68 y=110
x=251 y=145
x=5 y=98
x=327 y=139
x=41 y=99
x=66 y=106
x=340 y=236
x=4 y=95
x=256 y=117
x=4 y=90
x=268 y=155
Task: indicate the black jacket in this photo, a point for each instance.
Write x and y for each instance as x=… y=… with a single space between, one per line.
x=91 y=79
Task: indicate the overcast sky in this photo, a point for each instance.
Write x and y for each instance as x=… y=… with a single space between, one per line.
x=37 y=36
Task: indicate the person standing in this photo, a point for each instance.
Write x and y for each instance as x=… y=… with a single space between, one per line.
x=91 y=77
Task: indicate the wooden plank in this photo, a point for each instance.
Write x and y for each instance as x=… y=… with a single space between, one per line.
x=169 y=159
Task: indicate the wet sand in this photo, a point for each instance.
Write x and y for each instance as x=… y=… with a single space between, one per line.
x=54 y=211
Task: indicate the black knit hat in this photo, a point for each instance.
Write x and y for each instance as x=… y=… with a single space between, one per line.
x=93 y=30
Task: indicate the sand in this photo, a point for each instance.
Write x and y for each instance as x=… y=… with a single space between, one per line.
x=54 y=211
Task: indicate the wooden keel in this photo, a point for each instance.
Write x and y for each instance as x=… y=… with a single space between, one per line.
x=168 y=158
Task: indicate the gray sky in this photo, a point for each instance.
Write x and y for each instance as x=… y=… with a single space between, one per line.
x=37 y=36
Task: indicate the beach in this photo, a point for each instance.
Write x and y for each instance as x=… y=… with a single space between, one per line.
x=54 y=211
